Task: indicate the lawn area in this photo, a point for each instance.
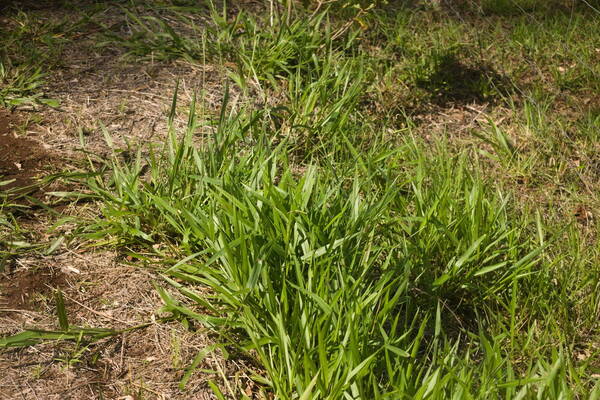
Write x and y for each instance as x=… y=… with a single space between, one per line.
x=286 y=199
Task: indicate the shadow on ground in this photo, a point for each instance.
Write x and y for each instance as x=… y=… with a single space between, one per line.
x=453 y=81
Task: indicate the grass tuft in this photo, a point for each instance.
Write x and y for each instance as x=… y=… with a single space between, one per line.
x=403 y=275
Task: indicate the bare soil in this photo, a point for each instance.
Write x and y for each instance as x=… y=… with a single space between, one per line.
x=101 y=291
x=21 y=159
x=19 y=290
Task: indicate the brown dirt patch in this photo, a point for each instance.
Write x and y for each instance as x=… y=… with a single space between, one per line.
x=104 y=292
x=21 y=159
x=20 y=289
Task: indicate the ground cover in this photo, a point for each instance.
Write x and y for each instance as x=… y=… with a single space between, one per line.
x=300 y=200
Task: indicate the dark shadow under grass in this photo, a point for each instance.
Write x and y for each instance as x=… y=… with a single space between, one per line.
x=453 y=81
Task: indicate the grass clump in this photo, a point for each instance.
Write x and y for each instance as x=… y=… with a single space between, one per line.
x=342 y=255
x=9 y=231
x=402 y=276
x=258 y=49
x=20 y=86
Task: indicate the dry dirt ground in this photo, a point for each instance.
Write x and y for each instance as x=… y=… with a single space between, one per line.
x=102 y=290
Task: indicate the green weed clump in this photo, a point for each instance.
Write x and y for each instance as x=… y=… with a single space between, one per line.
x=394 y=274
x=343 y=256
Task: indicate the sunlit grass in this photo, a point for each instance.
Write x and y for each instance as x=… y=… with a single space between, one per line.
x=396 y=273
x=345 y=257
x=351 y=251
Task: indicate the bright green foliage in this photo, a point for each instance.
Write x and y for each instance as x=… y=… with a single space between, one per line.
x=349 y=259
x=343 y=255
x=368 y=280
x=20 y=86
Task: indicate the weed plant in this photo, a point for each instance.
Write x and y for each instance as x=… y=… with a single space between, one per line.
x=347 y=257
x=393 y=274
